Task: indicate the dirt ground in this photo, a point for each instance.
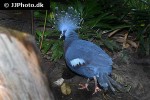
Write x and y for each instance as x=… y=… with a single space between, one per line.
x=133 y=76
x=131 y=71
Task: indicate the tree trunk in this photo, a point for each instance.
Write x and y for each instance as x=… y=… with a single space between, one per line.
x=20 y=73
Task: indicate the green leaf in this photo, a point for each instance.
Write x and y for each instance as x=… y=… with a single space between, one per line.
x=46 y=46
x=38 y=33
x=36 y=14
x=57 y=50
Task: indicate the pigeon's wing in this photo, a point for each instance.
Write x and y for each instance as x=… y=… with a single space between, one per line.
x=85 y=52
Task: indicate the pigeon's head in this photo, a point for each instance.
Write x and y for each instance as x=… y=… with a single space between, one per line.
x=67 y=21
x=68 y=33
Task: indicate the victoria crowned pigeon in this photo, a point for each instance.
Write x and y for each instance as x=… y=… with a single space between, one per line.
x=84 y=57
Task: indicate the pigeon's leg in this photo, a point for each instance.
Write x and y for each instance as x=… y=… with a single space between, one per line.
x=85 y=86
x=96 y=87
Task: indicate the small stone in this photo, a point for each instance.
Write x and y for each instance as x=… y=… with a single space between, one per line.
x=59 y=82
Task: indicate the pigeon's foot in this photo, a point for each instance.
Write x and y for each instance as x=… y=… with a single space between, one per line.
x=97 y=89
x=84 y=86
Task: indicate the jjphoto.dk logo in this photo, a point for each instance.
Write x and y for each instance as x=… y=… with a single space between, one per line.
x=15 y=5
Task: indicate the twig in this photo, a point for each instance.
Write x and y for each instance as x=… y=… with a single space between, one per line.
x=41 y=42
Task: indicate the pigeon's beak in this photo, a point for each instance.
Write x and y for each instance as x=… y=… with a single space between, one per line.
x=61 y=35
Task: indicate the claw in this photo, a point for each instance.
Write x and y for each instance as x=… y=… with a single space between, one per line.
x=84 y=86
x=97 y=89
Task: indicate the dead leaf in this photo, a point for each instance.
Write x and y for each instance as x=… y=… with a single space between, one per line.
x=120 y=39
x=126 y=36
x=126 y=45
x=135 y=45
x=65 y=89
x=113 y=32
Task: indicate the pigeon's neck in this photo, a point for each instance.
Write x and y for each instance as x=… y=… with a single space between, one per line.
x=69 y=39
x=73 y=36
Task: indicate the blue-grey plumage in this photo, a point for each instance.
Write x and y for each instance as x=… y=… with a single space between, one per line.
x=95 y=61
x=84 y=57
x=94 y=57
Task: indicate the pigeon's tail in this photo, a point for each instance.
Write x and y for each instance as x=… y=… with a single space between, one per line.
x=67 y=20
x=107 y=82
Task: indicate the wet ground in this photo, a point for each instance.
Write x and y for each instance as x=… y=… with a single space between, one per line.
x=131 y=71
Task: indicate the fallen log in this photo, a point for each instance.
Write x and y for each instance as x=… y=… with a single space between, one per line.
x=20 y=73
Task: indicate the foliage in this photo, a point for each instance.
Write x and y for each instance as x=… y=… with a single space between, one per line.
x=99 y=17
x=50 y=37
x=140 y=23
